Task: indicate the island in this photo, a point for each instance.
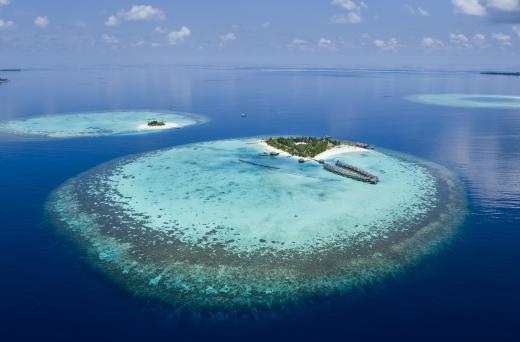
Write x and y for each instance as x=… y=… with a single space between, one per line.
x=318 y=149
x=156 y=123
x=500 y=73
x=194 y=228
x=94 y=124
x=4 y=80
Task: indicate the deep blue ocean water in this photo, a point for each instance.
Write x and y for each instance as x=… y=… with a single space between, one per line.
x=468 y=291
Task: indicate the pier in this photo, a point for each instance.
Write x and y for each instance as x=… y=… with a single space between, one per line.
x=357 y=170
x=350 y=173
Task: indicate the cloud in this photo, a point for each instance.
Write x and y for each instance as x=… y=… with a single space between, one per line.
x=5 y=24
x=41 y=22
x=136 y=13
x=391 y=44
x=502 y=39
x=497 y=10
x=349 y=18
x=504 y=5
x=470 y=7
x=353 y=15
x=432 y=43
x=230 y=36
x=175 y=37
x=417 y=11
x=325 y=43
x=159 y=29
x=298 y=43
x=479 y=40
x=5 y=2
x=110 y=39
x=516 y=29
x=459 y=40
x=267 y=24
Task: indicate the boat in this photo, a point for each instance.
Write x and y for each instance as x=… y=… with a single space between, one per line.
x=274 y=154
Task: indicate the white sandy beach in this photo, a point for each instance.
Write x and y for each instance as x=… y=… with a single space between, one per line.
x=167 y=125
x=329 y=154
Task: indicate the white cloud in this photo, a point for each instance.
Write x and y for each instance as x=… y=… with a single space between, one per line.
x=175 y=37
x=432 y=43
x=516 y=29
x=266 y=24
x=298 y=43
x=5 y=24
x=502 y=39
x=325 y=43
x=136 y=13
x=159 y=29
x=481 y=7
x=470 y=7
x=417 y=11
x=349 y=5
x=504 y=5
x=41 y=22
x=479 y=40
x=349 y=18
x=353 y=15
x=459 y=39
x=5 y=2
x=230 y=36
x=390 y=44
x=110 y=39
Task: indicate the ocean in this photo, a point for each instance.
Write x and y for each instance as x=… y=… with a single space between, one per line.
x=468 y=290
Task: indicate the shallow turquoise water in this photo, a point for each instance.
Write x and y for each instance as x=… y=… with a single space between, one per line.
x=195 y=224
x=94 y=124
x=469 y=100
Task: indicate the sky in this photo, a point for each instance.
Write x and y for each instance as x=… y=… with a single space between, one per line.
x=351 y=33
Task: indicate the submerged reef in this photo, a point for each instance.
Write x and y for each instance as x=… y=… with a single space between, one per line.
x=469 y=100
x=197 y=227
x=76 y=125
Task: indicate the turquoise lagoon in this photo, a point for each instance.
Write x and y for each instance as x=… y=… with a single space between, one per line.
x=75 y=125
x=469 y=100
x=201 y=227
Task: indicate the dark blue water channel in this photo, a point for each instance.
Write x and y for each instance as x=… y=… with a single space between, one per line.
x=468 y=291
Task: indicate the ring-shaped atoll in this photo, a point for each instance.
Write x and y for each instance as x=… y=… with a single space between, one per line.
x=469 y=100
x=235 y=224
x=92 y=124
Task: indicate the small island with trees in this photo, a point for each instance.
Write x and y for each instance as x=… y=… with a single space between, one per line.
x=3 y=80
x=308 y=147
x=156 y=123
x=320 y=149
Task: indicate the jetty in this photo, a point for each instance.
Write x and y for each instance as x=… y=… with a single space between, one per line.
x=260 y=165
x=352 y=172
x=356 y=169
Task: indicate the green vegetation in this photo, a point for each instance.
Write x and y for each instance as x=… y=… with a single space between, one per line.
x=307 y=147
x=155 y=123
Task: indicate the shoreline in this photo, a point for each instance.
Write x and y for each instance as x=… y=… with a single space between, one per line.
x=167 y=125
x=329 y=154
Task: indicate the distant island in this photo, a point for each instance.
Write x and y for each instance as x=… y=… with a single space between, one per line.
x=156 y=123
x=10 y=70
x=500 y=73
x=4 y=80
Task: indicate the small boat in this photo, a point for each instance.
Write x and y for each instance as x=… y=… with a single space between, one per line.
x=274 y=154
x=264 y=154
x=243 y=115
x=301 y=160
